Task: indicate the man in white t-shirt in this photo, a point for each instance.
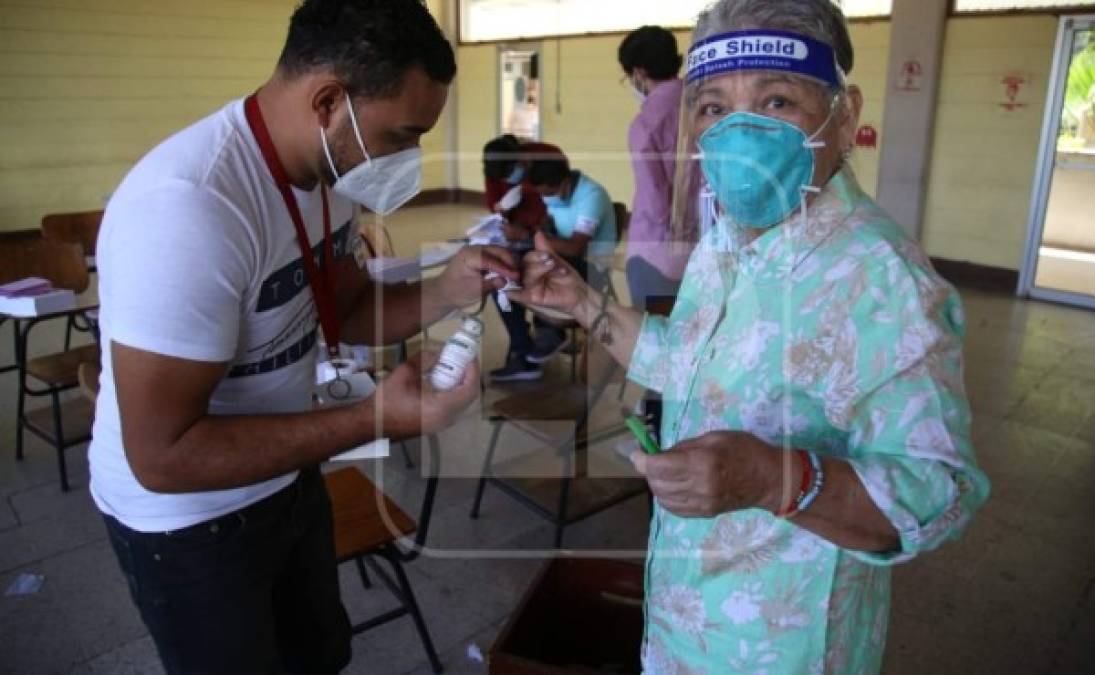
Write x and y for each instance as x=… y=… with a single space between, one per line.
x=215 y=274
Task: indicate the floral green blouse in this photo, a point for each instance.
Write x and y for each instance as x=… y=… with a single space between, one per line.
x=830 y=334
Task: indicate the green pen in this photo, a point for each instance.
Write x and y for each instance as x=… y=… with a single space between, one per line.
x=638 y=429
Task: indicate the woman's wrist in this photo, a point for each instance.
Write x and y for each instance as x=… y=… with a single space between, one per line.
x=780 y=466
x=587 y=308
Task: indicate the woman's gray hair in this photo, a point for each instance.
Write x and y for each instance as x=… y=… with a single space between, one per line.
x=821 y=20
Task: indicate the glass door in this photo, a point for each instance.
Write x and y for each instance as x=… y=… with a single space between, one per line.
x=519 y=95
x=1060 y=261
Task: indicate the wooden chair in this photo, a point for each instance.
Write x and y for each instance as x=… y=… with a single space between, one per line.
x=573 y=494
x=76 y=228
x=62 y=425
x=368 y=526
x=87 y=374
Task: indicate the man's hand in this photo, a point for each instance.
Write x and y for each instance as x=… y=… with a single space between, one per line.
x=407 y=405
x=462 y=281
x=717 y=473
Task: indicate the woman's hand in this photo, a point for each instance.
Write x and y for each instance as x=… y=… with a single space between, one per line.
x=549 y=282
x=462 y=281
x=717 y=473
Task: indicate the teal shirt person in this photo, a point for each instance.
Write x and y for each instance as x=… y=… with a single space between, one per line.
x=588 y=211
x=831 y=334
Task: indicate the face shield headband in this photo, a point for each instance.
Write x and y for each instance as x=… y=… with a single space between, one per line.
x=764 y=50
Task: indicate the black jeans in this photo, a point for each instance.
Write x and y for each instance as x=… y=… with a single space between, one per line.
x=253 y=591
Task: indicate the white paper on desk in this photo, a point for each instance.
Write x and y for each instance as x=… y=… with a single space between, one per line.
x=393 y=270
x=487 y=231
x=52 y=302
x=438 y=255
x=378 y=449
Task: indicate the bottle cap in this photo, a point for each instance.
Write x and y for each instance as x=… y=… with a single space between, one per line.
x=472 y=326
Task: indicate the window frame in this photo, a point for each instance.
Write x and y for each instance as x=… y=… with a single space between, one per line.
x=516 y=39
x=1063 y=10
x=952 y=12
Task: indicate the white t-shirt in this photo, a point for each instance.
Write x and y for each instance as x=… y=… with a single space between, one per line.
x=198 y=259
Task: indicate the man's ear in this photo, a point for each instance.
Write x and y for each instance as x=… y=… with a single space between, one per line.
x=327 y=95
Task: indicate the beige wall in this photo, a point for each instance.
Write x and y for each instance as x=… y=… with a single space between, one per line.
x=984 y=157
x=89 y=86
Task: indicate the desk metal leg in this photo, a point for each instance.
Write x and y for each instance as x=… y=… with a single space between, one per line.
x=21 y=366
x=59 y=438
x=15 y=329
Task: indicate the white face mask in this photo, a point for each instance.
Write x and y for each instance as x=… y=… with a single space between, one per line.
x=636 y=92
x=380 y=184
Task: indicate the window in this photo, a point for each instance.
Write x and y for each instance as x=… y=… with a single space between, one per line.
x=496 y=20
x=1005 y=5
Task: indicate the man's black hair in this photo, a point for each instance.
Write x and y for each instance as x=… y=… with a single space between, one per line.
x=368 y=44
x=550 y=171
x=652 y=48
x=500 y=156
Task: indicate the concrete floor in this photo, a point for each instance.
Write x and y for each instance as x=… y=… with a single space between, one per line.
x=1014 y=596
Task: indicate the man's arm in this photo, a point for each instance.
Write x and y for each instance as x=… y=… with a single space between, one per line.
x=174 y=445
x=377 y=314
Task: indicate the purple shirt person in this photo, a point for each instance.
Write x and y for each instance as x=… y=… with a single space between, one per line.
x=655 y=264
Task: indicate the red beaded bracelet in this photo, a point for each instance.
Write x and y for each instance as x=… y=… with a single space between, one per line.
x=807 y=480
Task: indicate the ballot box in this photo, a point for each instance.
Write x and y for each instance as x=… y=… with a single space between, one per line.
x=580 y=616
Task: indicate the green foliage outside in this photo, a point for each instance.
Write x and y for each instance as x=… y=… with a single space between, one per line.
x=1078 y=125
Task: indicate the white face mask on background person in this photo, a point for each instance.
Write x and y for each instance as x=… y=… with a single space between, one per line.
x=638 y=93
x=380 y=184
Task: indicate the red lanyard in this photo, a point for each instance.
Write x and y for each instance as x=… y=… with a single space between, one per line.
x=323 y=287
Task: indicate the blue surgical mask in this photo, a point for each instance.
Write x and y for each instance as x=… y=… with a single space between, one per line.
x=554 y=201
x=759 y=167
x=516 y=176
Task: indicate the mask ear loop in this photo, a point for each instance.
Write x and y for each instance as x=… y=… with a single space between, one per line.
x=357 y=131
x=812 y=143
x=327 y=151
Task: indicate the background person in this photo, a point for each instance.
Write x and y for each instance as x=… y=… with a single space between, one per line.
x=506 y=161
x=581 y=229
x=219 y=254
x=655 y=262
x=655 y=258
x=506 y=164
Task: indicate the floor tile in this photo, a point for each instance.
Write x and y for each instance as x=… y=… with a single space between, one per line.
x=1014 y=594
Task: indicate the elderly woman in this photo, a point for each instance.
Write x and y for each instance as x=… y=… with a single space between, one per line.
x=816 y=430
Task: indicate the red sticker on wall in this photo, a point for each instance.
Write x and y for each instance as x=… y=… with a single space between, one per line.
x=911 y=74
x=866 y=137
x=1013 y=86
